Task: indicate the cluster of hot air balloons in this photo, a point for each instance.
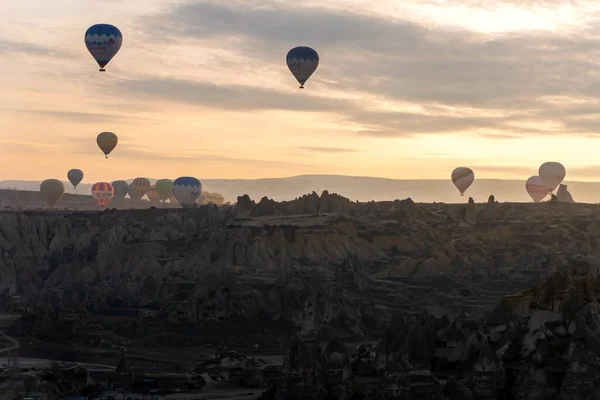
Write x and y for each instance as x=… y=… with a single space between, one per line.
x=104 y=41
x=550 y=175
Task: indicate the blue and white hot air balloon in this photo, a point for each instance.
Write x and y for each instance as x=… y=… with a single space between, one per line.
x=103 y=41
x=187 y=190
x=302 y=61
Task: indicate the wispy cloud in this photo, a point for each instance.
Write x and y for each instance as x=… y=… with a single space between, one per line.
x=398 y=61
x=82 y=117
x=332 y=150
x=8 y=47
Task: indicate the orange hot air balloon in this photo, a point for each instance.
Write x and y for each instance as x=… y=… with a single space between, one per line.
x=152 y=195
x=103 y=192
x=107 y=141
x=52 y=191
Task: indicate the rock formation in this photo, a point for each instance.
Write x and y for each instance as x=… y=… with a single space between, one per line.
x=563 y=194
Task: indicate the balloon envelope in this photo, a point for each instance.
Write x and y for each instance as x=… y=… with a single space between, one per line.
x=215 y=198
x=103 y=192
x=121 y=188
x=536 y=188
x=187 y=190
x=152 y=195
x=107 y=141
x=139 y=187
x=462 y=178
x=52 y=191
x=103 y=41
x=75 y=177
x=164 y=188
x=552 y=174
x=302 y=62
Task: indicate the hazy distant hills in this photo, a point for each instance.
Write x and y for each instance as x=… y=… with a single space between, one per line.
x=360 y=188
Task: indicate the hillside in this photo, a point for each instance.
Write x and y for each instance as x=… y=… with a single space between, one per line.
x=363 y=188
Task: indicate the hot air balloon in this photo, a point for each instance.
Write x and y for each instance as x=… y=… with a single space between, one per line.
x=536 y=188
x=202 y=198
x=139 y=187
x=164 y=188
x=462 y=178
x=187 y=190
x=302 y=62
x=152 y=195
x=52 y=191
x=107 y=141
x=75 y=177
x=103 y=192
x=215 y=198
x=103 y=41
x=552 y=174
x=121 y=188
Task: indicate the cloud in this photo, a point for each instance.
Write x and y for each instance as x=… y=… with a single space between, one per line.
x=81 y=117
x=399 y=61
x=8 y=47
x=230 y=97
x=137 y=153
x=332 y=150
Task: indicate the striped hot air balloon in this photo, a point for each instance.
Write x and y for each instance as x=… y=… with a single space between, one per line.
x=103 y=192
x=462 y=178
x=215 y=198
x=139 y=187
x=121 y=189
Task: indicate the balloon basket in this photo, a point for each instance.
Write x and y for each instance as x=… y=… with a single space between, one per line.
x=462 y=194
x=302 y=87
x=102 y=70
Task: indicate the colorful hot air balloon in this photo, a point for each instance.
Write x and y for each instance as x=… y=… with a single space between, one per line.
x=536 y=188
x=462 y=178
x=121 y=188
x=103 y=192
x=552 y=174
x=187 y=190
x=302 y=62
x=75 y=177
x=52 y=191
x=139 y=187
x=103 y=41
x=152 y=195
x=107 y=141
x=164 y=188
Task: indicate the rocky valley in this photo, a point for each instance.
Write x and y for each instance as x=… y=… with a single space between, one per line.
x=316 y=298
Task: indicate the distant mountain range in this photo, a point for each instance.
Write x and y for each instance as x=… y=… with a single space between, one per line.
x=360 y=188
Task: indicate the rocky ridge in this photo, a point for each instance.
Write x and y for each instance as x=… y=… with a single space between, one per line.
x=418 y=275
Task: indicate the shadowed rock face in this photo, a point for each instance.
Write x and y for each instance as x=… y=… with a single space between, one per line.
x=420 y=280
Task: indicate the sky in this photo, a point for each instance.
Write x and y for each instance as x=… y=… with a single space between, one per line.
x=405 y=89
